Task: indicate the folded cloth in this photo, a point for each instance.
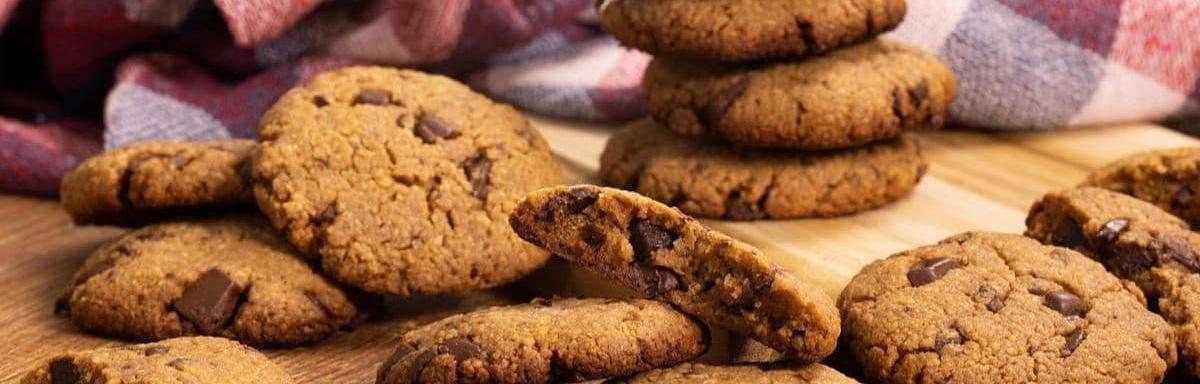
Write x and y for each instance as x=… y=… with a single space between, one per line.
x=197 y=69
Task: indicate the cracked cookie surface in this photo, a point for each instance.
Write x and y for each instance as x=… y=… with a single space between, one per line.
x=401 y=182
x=710 y=179
x=694 y=373
x=152 y=180
x=1168 y=178
x=868 y=92
x=233 y=277
x=668 y=256
x=746 y=30
x=1000 y=308
x=1135 y=240
x=560 y=340
x=179 y=360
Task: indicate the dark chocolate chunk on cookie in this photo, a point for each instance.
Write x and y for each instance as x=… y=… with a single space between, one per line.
x=670 y=257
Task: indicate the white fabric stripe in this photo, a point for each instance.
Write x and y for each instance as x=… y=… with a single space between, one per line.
x=133 y=113
x=929 y=22
x=1126 y=95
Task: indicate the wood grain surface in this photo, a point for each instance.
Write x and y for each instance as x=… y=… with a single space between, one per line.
x=978 y=181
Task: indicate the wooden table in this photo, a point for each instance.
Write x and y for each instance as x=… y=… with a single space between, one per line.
x=978 y=181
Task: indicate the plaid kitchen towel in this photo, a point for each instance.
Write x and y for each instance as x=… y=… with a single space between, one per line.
x=80 y=75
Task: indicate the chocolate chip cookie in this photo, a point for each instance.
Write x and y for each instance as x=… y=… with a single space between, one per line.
x=152 y=180
x=852 y=96
x=1135 y=240
x=1169 y=178
x=401 y=182
x=710 y=179
x=692 y=373
x=741 y=30
x=668 y=256
x=232 y=277
x=561 y=340
x=180 y=360
x=999 y=308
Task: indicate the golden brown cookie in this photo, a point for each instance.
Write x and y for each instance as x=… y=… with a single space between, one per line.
x=711 y=179
x=153 y=180
x=668 y=256
x=744 y=30
x=1168 y=178
x=401 y=182
x=546 y=341
x=180 y=360
x=1135 y=240
x=1000 y=308
x=693 y=373
x=232 y=277
x=868 y=92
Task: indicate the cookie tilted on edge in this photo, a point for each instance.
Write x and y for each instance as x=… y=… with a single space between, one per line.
x=746 y=30
x=233 y=277
x=179 y=360
x=1168 y=178
x=401 y=182
x=1135 y=240
x=668 y=256
x=561 y=340
x=1000 y=308
x=710 y=179
x=692 y=373
x=856 y=95
x=153 y=180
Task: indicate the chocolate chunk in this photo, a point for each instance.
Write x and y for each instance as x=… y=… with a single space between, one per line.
x=592 y=235
x=1179 y=251
x=995 y=305
x=326 y=216
x=1073 y=341
x=929 y=270
x=462 y=348
x=647 y=237
x=63 y=371
x=372 y=97
x=574 y=201
x=430 y=128
x=919 y=92
x=418 y=364
x=478 y=170
x=1181 y=197
x=156 y=350
x=1112 y=230
x=805 y=29
x=210 y=302
x=401 y=350
x=541 y=302
x=1064 y=303
x=1069 y=234
x=736 y=209
x=942 y=341
x=720 y=103
x=654 y=281
x=320 y=101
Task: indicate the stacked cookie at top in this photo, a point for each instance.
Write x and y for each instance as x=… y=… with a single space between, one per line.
x=774 y=109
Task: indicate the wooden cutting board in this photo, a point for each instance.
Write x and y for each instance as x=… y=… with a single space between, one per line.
x=979 y=181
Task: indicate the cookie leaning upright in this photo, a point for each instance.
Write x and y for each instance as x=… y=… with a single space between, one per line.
x=848 y=97
x=1168 y=178
x=401 y=182
x=1000 y=308
x=153 y=180
x=668 y=256
x=745 y=30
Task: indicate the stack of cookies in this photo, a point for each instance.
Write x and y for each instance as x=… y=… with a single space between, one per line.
x=774 y=109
